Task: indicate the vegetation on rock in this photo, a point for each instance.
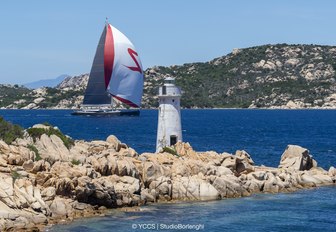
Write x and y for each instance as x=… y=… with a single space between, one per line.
x=35 y=150
x=170 y=150
x=9 y=132
x=10 y=94
x=38 y=132
x=75 y=162
x=15 y=175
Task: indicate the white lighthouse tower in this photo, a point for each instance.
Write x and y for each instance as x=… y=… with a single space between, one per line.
x=169 y=123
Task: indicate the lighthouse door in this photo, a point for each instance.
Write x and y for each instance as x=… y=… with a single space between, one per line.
x=173 y=140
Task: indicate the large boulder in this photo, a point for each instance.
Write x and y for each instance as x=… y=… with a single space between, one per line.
x=114 y=141
x=244 y=162
x=96 y=191
x=297 y=158
x=52 y=148
x=61 y=208
x=193 y=188
x=228 y=186
x=163 y=187
x=240 y=163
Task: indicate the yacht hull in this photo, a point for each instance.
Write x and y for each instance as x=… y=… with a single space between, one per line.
x=107 y=112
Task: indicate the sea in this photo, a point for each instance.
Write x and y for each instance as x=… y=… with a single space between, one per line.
x=264 y=134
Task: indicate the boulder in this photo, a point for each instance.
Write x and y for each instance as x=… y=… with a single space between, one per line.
x=230 y=162
x=163 y=187
x=193 y=188
x=228 y=186
x=332 y=171
x=28 y=165
x=52 y=148
x=146 y=196
x=184 y=149
x=61 y=208
x=4 y=147
x=125 y=184
x=223 y=171
x=41 y=126
x=114 y=141
x=244 y=156
x=39 y=166
x=64 y=185
x=244 y=162
x=48 y=193
x=152 y=170
x=271 y=184
x=297 y=158
x=7 y=190
x=3 y=162
x=15 y=159
x=96 y=191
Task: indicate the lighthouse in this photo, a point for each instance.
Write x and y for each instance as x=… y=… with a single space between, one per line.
x=169 y=129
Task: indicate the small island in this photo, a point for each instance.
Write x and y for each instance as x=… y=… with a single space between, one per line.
x=47 y=177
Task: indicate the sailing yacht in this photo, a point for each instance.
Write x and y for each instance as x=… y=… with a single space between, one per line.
x=116 y=75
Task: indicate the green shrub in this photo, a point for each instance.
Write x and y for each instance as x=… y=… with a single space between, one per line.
x=15 y=175
x=34 y=149
x=75 y=162
x=9 y=132
x=47 y=124
x=171 y=151
x=38 y=132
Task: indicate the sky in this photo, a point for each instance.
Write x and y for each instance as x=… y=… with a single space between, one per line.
x=42 y=39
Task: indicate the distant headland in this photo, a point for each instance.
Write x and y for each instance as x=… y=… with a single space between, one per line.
x=277 y=76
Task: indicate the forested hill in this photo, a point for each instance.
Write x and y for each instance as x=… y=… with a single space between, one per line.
x=269 y=76
x=280 y=75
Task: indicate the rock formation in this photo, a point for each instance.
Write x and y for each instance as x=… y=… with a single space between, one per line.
x=42 y=181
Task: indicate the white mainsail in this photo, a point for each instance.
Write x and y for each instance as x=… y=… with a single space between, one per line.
x=123 y=68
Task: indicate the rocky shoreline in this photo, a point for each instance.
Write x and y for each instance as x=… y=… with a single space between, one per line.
x=44 y=181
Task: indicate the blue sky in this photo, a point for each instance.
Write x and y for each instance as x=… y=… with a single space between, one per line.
x=44 y=39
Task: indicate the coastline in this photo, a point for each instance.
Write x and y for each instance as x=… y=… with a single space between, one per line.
x=91 y=177
x=285 y=109
x=266 y=212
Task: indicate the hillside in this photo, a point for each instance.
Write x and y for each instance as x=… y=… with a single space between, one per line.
x=269 y=76
x=265 y=76
x=20 y=97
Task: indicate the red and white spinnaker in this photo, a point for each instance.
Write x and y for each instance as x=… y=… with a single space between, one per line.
x=116 y=70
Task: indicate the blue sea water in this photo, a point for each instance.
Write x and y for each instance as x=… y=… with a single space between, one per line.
x=263 y=133
x=306 y=210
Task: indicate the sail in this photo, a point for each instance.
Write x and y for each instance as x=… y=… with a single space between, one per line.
x=96 y=93
x=122 y=68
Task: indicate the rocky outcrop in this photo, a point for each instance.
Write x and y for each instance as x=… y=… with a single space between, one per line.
x=74 y=83
x=297 y=158
x=93 y=176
